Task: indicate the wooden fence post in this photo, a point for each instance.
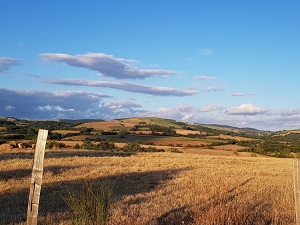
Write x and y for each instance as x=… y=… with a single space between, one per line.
x=36 y=178
x=297 y=189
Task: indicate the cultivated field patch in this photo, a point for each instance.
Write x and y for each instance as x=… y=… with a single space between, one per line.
x=66 y=131
x=108 y=125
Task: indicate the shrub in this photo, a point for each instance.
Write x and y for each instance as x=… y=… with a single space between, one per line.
x=2 y=141
x=176 y=150
x=54 y=145
x=133 y=147
x=91 y=206
x=77 y=146
x=153 y=149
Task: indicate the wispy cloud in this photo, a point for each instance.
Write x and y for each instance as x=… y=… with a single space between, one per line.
x=121 y=104
x=246 y=109
x=7 y=63
x=107 y=65
x=213 y=89
x=297 y=124
x=211 y=108
x=240 y=94
x=207 y=52
x=290 y=112
x=126 y=86
x=205 y=78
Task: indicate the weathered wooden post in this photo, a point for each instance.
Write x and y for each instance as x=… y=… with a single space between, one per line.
x=36 y=178
x=297 y=189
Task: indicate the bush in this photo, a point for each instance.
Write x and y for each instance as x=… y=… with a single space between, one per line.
x=153 y=149
x=176 y=150
x=2 y=141
x=54 y=145
x=77 y=146
x=133 y=147
x=91 y=206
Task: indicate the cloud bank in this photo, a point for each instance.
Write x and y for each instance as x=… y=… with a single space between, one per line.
x=107 y=65
x=48 y=105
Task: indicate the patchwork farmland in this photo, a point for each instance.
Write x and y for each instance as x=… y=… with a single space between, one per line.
x=167 y=176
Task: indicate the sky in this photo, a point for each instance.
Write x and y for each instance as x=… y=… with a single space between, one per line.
x=222 y=62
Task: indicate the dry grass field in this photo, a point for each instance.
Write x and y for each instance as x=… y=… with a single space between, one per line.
x=229 y=147
x=107 y=125
x=154 y=188
x=127 y=124
x=224 y=136
x=186 y=132
x=66 y=131
x=283 y=133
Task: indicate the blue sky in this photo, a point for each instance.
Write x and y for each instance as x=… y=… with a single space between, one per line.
x=206 y=61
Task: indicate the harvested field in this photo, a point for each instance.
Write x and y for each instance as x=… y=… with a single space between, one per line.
x=108 y=125
x=186 y=132
x=66 y=131
x=127 y=124
x=223 y=136
x=230 y=147
x=155 y=188
x=289 y=132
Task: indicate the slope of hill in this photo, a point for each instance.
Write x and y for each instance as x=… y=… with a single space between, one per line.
x=152 y=131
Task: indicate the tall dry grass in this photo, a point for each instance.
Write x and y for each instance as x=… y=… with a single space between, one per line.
x=154 y=188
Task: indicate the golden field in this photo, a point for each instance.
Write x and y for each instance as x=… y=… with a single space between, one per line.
x=127 y=123
x=154 y=188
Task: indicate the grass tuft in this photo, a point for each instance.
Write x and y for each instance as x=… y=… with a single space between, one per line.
x=91 y=205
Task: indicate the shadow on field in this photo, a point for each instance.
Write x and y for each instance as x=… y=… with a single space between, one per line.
x=62 y=154
x=22 y=173
x=84 y=153
x=176 y=216
x=14 y=205
x=16 y=155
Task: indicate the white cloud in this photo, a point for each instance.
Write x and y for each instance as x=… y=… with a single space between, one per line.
x=246 y=109
x=126 y=86
x=242 y=124
x=53 y=108
x=6 y=63
x=186 y=113
x=107 y=65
